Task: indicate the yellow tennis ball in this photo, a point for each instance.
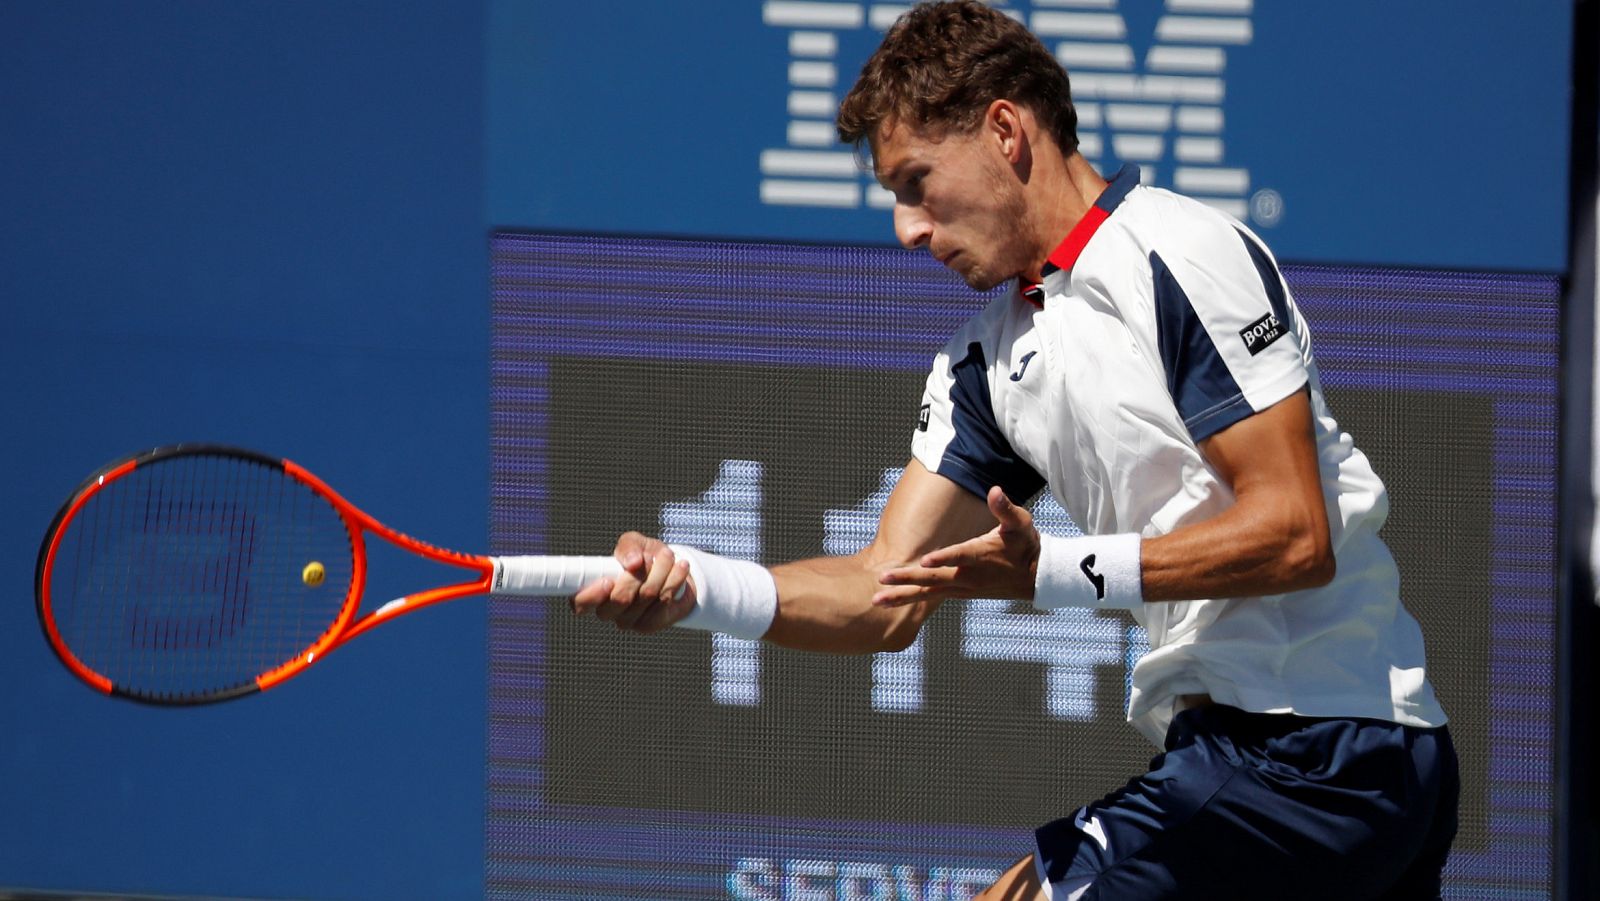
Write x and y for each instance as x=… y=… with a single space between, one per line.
x=313 y=574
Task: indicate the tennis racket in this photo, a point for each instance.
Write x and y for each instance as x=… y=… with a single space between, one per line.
x=198 y=573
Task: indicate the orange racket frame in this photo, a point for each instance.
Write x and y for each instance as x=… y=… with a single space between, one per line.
x=554 y=575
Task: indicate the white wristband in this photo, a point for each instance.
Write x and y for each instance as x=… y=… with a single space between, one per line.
x=1088 y=571
x=734 y=597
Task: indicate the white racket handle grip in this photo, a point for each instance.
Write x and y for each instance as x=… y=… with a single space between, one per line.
x=549 y=576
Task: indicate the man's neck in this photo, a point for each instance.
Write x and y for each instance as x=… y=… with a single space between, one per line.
x=1069 y=186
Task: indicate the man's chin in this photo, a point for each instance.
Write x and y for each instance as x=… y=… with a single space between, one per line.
x=978 y=277
x=979 y=280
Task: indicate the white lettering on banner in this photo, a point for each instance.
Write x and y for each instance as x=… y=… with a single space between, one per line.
x=1070 y=643
x=1163 y=91
x=725 y=520
x=896 y=676
x=765 y=879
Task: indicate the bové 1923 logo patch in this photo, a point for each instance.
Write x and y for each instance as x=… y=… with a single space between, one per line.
x=1259 y=334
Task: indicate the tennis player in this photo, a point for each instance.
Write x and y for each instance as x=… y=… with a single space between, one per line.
x=1149 y=366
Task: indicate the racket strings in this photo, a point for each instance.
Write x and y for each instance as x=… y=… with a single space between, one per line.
x=189 y=575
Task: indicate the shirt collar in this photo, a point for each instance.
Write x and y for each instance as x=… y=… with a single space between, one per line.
x=1067 y=252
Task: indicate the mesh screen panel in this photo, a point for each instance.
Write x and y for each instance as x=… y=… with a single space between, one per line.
x=758 y=400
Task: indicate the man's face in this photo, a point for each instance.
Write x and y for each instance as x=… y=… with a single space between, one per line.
x=956 y=195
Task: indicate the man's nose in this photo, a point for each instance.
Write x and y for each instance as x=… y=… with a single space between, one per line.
x=911 y=227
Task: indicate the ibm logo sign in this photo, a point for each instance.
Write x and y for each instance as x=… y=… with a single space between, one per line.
x=1162 y=109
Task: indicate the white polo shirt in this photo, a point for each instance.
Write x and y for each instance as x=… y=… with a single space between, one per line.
x=1160 y=322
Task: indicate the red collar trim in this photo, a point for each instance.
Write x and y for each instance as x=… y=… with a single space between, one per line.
x=1071 y=247
x=1066 y=253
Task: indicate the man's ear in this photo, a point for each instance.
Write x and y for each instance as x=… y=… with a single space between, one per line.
x=1003 y=123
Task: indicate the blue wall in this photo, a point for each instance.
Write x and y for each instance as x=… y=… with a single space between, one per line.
x=258 y=223
x=1408 y=134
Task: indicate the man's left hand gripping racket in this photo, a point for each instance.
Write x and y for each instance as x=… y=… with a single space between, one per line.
x=198 y=573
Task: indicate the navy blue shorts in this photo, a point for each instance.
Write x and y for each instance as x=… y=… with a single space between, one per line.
x=1253 y=805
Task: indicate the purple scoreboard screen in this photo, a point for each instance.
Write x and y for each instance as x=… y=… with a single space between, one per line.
x=758 y=400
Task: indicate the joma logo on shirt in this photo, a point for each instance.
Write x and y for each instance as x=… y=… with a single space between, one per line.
x=1257 y=335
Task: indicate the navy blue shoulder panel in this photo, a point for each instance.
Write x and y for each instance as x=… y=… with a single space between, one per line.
x=1271 y=279
x=1208 y=397
x=979 y=455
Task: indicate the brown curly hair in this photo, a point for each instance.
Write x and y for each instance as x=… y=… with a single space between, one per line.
x=942 y=64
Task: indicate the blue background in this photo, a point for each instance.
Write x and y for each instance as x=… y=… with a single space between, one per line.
x=265 y=223
x=1397 y=133
x=258 y=223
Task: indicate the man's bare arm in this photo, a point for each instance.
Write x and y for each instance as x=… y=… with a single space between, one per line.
x=1274 y=539
x=825 y=603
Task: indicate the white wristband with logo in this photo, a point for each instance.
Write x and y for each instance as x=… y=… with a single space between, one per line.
x=1089 y=571
x=734 y=597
